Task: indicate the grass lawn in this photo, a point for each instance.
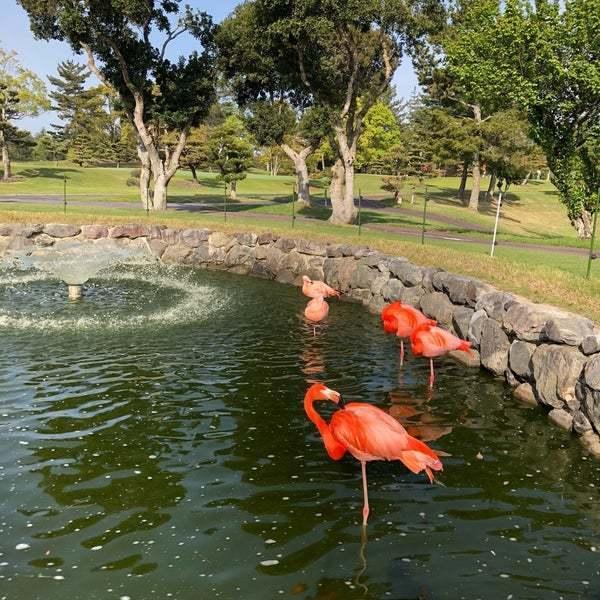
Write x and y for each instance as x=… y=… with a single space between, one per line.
x=541 y=276
x=530 y=214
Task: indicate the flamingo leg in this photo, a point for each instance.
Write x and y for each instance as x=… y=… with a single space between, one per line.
x=401 y=352
x=314 y=330
x=431 y=373
x=365 y=493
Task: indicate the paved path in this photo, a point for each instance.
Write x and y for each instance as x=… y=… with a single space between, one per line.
x=238 y=207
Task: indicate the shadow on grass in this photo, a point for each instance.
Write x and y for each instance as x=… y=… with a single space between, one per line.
x=47 y=172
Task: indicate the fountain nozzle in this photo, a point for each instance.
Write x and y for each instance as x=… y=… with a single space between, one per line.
x=75 y=292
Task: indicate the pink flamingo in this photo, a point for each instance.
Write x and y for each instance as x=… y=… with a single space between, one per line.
x=368 y=433
x=314 y=289
x=316 y=310
x=402 y=319
x=431 y=341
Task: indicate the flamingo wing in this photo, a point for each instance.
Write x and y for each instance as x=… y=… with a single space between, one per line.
x=371 y=434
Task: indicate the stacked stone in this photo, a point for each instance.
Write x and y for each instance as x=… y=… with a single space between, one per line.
x=548 y=356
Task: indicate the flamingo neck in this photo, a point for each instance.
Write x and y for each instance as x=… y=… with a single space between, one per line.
x=334 y=448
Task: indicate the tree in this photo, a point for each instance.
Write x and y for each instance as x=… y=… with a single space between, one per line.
x=557 y=84
x=195 y=154
x=160 y=96
x=381 y=132
x=258 y=73
x=230 y=151
x=22 y=93
x=339 y=56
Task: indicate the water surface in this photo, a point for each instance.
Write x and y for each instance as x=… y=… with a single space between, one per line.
x=153 y=444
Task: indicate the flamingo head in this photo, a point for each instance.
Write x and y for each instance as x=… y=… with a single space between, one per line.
x=390 y=324
x=306 y=279
x=318 y=391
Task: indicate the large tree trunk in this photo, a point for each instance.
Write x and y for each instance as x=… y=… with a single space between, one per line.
x=233 y=190
x=583 y=225
x=463 y=181
x=336 y=187
x=474 y=198
x=159 y=198
x=492 y=186
x=145 y=173
x=302 y=180
x=344 y=212
x=5 y=158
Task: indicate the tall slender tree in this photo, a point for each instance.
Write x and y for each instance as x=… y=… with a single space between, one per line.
x=126 y=45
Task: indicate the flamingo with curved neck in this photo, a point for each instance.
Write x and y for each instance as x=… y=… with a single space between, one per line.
x=368 y=433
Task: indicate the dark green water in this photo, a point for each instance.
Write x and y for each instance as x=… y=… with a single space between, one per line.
x=153 y=444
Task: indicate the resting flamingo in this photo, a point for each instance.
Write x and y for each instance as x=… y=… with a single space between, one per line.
x=314 y=289
x=316 y=310
x=368 y=433
x=402 y=320
x=431 y=341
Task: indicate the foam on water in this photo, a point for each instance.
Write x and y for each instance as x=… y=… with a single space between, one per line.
x=198 y=303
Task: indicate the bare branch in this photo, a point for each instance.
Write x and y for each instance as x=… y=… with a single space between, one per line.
x=172 y=35
x=92 y=66
x=352 y=56
x=303 y=75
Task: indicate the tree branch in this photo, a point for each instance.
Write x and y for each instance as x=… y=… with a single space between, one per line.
x=172 y=35
x=303 y=75
x=92 y=66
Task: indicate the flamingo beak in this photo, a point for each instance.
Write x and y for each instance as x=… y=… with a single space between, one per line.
x=333 y=396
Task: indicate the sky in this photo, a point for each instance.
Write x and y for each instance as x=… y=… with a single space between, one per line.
x=43 y=57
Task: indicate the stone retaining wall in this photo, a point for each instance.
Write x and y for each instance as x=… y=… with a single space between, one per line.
x=550 y=357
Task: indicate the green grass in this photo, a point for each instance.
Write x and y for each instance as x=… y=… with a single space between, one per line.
x=531 y=214
x=541 y=276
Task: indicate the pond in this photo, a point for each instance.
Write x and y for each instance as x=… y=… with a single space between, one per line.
x=153 y=444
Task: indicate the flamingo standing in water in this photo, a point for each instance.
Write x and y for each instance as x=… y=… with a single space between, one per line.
x=402 y=320
x=368 y=433
x=314 y=289
x=431 y=341
x=316 y=310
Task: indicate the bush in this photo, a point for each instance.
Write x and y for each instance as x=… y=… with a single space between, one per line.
x=135 y=173
x=132 y=182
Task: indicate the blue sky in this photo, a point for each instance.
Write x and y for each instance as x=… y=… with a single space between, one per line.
x=43 y=57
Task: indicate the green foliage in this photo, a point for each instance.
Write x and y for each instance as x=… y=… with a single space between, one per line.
x=230 y=150
x=381 y=133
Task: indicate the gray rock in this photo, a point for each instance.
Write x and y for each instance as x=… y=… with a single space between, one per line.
x=246 y=238
x=59 y=230
x=494 y=347
x=170 y=236
x=44 y=241
x=376 y=261
x=376 y=304
x=519 y=358
x=556 y=370
x=334 y=251
x=561 y=418
x=362 y=252
x=239 y=255
x=392 y=290
x=94 y=232
x=408 y=273
x=199 y=256
x=412 y=295
x=338 y=272
x=130 y=230
x=154 y=232
x=428 y=275
x=437 y=306
x=6 y=229
x=266 y=238
x=524 y=393
x=175 y=254
x=284 y=276
x=469 y=359
x=194 y=237
x=363 y=277
x=591 y=344
x=461 y=318
x=259 y=269
x=308 y=247
x=581 y=424
x=378 y=283
x=477 y=320
x=510 y=378
x=361 y=295
x=285 y=244
x=570 y=330
x=19 y=244
x=295 y=263
x=590 y=403
x=461 y=290
x=592 y=373
x=591 y=442
x=218 y=239
x=27 y=230
x=528 y=321
x=495 y=304
x=273 y=259
x=157 y=247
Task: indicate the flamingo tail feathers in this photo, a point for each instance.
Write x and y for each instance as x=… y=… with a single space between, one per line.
x=464 y=346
